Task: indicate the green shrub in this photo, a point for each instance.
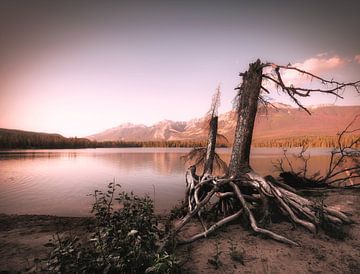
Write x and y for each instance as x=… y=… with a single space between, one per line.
x=123 y=241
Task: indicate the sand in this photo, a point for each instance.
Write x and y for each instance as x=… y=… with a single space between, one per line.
x=23 y=239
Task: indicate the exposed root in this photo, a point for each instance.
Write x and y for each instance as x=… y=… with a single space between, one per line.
x=212 y=228
x=253 y=221
x=237 y=197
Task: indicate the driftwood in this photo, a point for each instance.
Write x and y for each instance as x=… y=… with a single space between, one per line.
x=241 y=191
x=300 y=210
x=343 y=168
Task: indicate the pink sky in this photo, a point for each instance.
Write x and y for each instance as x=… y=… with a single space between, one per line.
x=80 y=71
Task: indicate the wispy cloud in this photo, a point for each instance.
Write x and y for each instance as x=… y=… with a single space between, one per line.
x=323 y=65
x=357 y=58
x=319 y=64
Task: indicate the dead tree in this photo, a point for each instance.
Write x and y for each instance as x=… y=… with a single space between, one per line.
x=204 y=157
x=242 y=190
x=247 y=103
x=344 y=154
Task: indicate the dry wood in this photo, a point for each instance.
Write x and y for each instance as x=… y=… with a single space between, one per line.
x=242 y=190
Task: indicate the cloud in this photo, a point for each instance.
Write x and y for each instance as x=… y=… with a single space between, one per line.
x=321 y=63
x=318 y=65
x=324 y=65
x=357 y=58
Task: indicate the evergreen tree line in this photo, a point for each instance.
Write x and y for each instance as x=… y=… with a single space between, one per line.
x=11 y=139
x=310 y=141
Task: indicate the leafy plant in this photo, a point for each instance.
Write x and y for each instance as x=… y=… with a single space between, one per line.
x=164 y=263
x=123 y=240
x=69 y=256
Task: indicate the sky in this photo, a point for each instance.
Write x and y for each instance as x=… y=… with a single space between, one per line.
x=80 y=67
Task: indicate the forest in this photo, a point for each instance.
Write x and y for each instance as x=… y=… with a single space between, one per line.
x=17 y=139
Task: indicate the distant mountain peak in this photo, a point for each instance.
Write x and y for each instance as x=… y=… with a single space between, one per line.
x=320 y=106
x=280 y=105
x=272 y=124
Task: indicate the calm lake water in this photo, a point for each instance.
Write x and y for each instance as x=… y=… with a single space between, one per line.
x=57 y=182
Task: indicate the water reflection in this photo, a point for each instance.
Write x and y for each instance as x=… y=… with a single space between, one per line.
x=57 y=181
x=164 y=163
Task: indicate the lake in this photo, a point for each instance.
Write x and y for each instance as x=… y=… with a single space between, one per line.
x=57 y=182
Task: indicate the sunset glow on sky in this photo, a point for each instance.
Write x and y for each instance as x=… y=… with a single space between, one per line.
x=80 y=68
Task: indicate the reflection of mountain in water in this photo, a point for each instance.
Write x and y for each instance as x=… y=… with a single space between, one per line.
x=160 y=162
x=167 y=163
x=57 y=182
x=37 y=154
x=164 y=163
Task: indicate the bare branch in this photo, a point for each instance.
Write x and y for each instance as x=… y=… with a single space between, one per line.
x=215 y=103
x=297 y=92
x=342 y=153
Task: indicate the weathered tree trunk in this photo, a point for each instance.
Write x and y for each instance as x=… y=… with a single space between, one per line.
x=246 y=111
x=210 y=151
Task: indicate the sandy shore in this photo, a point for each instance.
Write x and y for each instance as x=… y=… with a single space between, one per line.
x=23 y=239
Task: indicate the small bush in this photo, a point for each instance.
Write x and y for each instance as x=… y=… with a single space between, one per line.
x=123 y=241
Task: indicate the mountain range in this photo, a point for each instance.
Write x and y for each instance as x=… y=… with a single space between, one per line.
x=277 y=121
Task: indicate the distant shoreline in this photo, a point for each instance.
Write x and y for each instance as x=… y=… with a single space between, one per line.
x=16 y=139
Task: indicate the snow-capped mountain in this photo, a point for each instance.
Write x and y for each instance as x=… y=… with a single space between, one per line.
x=279 y=120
